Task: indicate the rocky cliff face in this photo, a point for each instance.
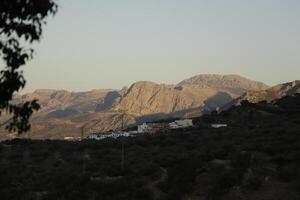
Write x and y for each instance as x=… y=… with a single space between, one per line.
x=146 y=98
x=202 y=92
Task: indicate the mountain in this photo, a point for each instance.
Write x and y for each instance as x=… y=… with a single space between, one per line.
x=273 y=93
x=199 y=92
x=233 y=83
x=269 y=94
x=63 y=113
x=62 y=103
x=146 y=98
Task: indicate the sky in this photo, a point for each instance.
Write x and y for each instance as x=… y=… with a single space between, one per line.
x=112 y=43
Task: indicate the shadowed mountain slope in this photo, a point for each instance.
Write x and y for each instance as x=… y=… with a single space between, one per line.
x=268 y=95
x=273 y=93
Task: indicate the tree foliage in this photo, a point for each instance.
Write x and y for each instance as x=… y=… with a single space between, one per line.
x=21 y=23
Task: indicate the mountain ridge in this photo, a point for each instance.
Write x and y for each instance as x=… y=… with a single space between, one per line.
x=276 y=92
x=226 y=81
x=64 y=112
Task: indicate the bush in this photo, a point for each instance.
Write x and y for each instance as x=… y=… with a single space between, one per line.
x=289 y=172
x=254 y=181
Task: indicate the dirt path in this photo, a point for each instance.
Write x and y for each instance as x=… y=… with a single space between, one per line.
x=153 y=186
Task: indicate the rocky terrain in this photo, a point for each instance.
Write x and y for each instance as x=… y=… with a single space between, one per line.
x=148 y=98
x=203 y=91
x=268 y=95
x=236 y=84
x=63 y=113
x=273 y=93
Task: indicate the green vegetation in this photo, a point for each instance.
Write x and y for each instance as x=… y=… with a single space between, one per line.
x=257 y=157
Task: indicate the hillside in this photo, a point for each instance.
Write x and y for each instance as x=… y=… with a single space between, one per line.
x=62 y=103
x=257 y=157
x=273 y=93
x=71 y=126
x=268 y=95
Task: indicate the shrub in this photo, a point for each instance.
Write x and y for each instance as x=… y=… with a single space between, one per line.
x=254 y=181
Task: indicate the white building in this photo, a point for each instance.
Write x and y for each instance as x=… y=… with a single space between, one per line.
x=181 y=124
x=114 y=135
x=218 y=125
x=144 y=128
x=97 y=137
x=70 y=138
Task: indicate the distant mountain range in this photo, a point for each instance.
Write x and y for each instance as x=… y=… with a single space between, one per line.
x=63 y=113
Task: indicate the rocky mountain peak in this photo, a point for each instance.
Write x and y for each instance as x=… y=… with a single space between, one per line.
x=224 y=81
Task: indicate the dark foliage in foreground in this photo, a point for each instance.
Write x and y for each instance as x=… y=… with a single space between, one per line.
x=258 y=157
x=21 y=23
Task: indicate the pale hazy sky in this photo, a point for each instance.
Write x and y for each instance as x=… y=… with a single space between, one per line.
x=111 y=43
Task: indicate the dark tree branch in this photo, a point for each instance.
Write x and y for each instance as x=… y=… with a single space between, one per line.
x=20 y=20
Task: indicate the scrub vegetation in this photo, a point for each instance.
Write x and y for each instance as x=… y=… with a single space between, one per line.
x=256 y=157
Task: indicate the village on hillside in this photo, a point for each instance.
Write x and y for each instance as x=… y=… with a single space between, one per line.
x=149 y=128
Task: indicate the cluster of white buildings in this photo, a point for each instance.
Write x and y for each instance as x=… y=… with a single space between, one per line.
x=155 y=127
x=150 y=128
x=181 y=124
x=219 y=125
x=113 y=135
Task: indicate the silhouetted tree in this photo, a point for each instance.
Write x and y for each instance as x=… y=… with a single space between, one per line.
x=21 y=23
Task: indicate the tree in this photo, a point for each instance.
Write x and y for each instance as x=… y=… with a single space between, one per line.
x=21 y=23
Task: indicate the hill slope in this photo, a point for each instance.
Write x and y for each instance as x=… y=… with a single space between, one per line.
x=62 y=103
x=273 y=93
x=268 y=95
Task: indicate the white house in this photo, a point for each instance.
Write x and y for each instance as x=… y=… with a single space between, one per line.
x=144 y=128
x=71 y=138
x=181 y=124
x=114 y=135
x=218 y=125
x=97 y=137
x=121 y=134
